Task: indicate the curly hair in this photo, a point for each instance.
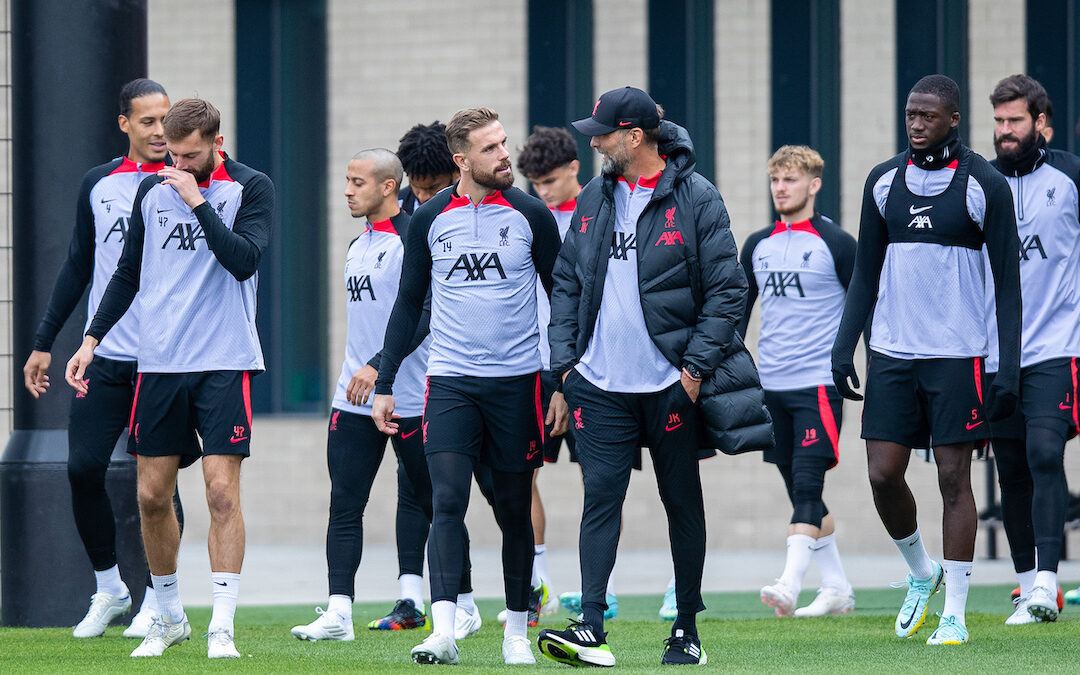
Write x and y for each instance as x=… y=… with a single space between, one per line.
x=798 y=158
x=546 y=149
x=423 y=151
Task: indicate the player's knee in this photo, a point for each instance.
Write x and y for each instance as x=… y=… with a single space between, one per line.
x=84 y=474
x=883 y=478
x=221 y=498
x=154 y=500
x=954 y=485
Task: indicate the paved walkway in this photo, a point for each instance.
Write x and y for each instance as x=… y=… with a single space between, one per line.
x=275 y=575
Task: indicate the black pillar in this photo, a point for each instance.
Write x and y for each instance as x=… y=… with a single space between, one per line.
x=69 y=59
x=561 y=69
x=931 y=37
x=806 y=86
x=681 y=64
x=281 y=106
x=1053 y=58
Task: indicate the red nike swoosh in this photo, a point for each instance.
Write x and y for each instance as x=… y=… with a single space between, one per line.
x=668 y=427
x=807 y=444
x=625 y=124
x=234 y=439
x=411 y=433
x=531 y=454
x=971 y=426
x=1064 y=406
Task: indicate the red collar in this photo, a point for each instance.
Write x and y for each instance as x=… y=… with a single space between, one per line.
x=801 y=226
x=219 y=173
x=568 y=205
x=382 y=226
x=644 y=181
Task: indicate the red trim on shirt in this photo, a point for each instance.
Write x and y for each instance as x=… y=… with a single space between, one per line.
x=978 y=378
x=951 y=165
x=129 y=165
x=457 y=201
x=1075 y=389
x=246 y=388
x=496 y=198
x=801 y=226
x=649 y=181
x=383 y=226
x=568 y=205
x=539 y=408
x=134 y=402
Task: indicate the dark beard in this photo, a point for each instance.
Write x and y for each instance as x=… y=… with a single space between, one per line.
x=202 y=174
x=493 y=180
x=1023 y=147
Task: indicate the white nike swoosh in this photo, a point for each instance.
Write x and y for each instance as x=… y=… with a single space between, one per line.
x=912 y=210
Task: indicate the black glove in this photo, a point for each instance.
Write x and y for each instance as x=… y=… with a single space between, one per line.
x=1000 y=403
x=841 y=373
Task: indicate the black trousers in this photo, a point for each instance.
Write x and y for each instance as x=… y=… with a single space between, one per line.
x=609 y=428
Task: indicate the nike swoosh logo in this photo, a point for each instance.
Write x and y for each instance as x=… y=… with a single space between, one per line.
x=106 y=201
x=1064 y=406
x=443 y=237
x=234 y=439
x=532 y=454
x=163 y=210
x=411 y=433
x=167 y=585
x=971 y=426
x=625 y=124
x=912 y=210
x=807 y=444
x=222 y=583
x=672 y=427
x=905 y=624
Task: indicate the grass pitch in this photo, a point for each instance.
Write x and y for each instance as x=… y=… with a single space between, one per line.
x=737 y=631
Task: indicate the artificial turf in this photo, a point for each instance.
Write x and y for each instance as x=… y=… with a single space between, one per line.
x=737 y=632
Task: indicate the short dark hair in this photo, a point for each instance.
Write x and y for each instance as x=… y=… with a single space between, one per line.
x=464 y=122
x=136 y=89
x=1049 y=112
x=941 y=86
x=546 y=149
x=1020 y=86
x=189 y=115
x=423 y=152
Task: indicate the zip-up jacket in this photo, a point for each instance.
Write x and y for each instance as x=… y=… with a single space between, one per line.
x=691 y=286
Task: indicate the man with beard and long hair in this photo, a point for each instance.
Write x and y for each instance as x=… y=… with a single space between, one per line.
x=926 y=215
x=648 y=295
x=197 y=232
x=478 y=248
x=1029 y=445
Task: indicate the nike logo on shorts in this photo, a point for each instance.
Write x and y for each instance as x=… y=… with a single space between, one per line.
x=806 y=443
x=972 y=425
x=411 y=433
x=234 y=439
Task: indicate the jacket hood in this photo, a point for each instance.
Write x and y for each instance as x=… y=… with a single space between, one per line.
x=676 y=146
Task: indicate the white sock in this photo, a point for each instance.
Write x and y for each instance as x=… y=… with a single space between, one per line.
x=412 y=588
x=149 y=601
x=108 y=581
x=1047 y=579
x=540 y=570
x=671 y=582
x=611 y=583
x=466 y=603
x=1027 y=582
x=442 y=617
x=342 y=604
x=827 y=557
x=914 y=552
x=516 y=623
x=957 y=580
x=226 y=588
x=799 y=553
x=167 y=590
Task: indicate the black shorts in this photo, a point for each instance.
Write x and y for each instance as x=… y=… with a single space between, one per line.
x=1047 y=389
x=807 y=422
x=552 y=444
x=99 y=416
x=921 y=403
x=497 y=420
x=170 y=408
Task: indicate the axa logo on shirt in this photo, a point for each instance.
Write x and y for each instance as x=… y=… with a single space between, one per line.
x=920 y=222
x=669 y=238
x=356 y=285
x=1029 y=245
x=475 y=266
x=781 y=282
x=119 y=227
x=621 y=245
x=187 y=236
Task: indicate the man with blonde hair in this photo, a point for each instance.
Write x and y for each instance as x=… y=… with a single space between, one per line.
x=479 y=248
x=801 y=266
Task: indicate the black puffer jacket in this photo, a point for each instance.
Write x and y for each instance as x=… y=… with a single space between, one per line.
x=691 y=285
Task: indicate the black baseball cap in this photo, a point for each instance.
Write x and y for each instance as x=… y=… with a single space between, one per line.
x=624 y=108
